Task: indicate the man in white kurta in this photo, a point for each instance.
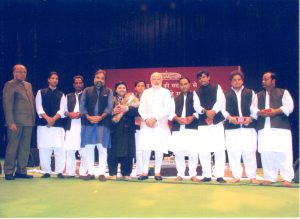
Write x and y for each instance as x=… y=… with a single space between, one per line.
x=73 y=129
x=155 y=134
x=274 y=131
x=184 y=131
x=209 y=101
x=50 y=104
x=240 y=133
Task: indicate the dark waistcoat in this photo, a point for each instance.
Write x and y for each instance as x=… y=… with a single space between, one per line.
x=232 y=107
x=91 y=100
x=51 y=104
x=278 y=121
x=208 y=97
x=71 y=102
x=189 y=109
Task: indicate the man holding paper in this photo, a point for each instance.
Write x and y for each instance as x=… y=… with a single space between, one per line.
x=209 y=101
x=240 y=133
x=274 y=131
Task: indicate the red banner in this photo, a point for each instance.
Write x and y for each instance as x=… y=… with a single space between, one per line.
x=218 y=74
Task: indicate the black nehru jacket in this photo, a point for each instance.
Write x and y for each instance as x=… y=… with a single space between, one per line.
x=71 y=102
x=51 y=104
x=91 y=100
x=232 y=107
x=189 y=109
x=278 y=121
x=208 y=97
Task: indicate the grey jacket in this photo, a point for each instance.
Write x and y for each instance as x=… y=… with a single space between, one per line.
x=18 y=103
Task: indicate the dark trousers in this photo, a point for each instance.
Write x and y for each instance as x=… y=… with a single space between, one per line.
x=17 y=150
x=126 y=165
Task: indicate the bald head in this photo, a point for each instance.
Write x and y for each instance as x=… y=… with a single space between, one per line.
x=19 y=72
x=156 y=79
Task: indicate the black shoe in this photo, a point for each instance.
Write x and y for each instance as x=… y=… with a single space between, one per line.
x=46 y=175
x=102 y=178
x=220 y=180
x=158 y=178
x=205 y=179
x=143 y=177
x=60 y=176
x=69 y=177
x=23 y=176
x=88 y=177
x=9 y=177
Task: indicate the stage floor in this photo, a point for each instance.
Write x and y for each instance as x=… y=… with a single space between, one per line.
x=55 y=197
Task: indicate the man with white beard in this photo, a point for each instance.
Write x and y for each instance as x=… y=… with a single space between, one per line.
x=155 y=134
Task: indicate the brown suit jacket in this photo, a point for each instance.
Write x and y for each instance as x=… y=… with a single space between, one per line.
x=18 y=103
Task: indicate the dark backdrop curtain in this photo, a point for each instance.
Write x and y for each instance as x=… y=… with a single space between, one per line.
x=77 y=37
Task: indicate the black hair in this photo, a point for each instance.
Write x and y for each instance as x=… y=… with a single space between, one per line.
x=118 y=84
x=53 y=73
x=200 y=73
x=184 y=78
x=139 y=81
x=273 y=75
x=100 y=71
x=76 y=77
x=236 y=72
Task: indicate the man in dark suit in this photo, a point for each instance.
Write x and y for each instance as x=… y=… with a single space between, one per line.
x=19 y=110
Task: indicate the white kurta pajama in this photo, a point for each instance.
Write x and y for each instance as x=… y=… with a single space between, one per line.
x=275 y=144
x=155 y=103
x=50 y=139
x=72 y=143
x=211 y=139
x=242 y=142
x=184 y=144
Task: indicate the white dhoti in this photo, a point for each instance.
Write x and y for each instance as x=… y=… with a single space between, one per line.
x=242 y=143
x=211 y=139
x=275 y=146
x=51 y=140
x=72 y=144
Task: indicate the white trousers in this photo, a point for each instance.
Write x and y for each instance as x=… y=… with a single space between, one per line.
x=274 y=162
x=45 y=159
x=249 y=160
x=139 y=162
x=71 y=163
x=89 y=157
x=158 y=161
x=83 y=168
x=205 y=160
x=180 y=163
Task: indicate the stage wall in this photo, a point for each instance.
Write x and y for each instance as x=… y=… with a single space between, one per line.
x=219 y=74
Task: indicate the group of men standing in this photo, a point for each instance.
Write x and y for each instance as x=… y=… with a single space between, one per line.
x=204 y=122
